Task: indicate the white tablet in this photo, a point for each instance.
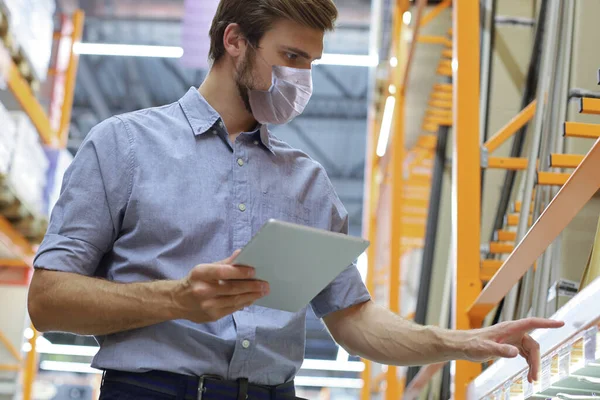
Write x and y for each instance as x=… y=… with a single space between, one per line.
x=297 y=261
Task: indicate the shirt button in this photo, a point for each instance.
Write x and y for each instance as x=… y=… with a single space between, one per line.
x=214 y=131
x=245 y=344
x=221 y=124
x=240 y=162
x=256 y=142
x=242 y=207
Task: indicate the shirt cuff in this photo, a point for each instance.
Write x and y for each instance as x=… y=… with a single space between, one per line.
x=64 y=254
x=345 y=291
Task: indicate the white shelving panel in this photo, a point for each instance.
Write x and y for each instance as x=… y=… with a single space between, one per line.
x=570 y=358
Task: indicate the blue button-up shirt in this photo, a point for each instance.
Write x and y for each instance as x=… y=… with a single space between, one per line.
x=153 y=193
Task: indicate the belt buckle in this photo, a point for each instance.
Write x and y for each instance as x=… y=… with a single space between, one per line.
x=202 y=388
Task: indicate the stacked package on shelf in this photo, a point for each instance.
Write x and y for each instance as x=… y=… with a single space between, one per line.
x=29 y=166
x=31 y=24
x=8 y=137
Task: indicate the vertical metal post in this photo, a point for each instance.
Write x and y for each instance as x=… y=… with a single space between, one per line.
x=487 y=65
x=371 y=230
x=466 y=165
x=542 y=91
x=553 y=144
x=394 y=391
x=435 y=195
x=371 y=186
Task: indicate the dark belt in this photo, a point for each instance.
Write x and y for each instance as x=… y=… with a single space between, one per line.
x=201 y=388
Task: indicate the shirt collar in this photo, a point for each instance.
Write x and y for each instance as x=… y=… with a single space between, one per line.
x=202 y=117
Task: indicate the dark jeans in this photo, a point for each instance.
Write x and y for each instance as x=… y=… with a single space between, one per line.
x=156 y=385
x=123 y=391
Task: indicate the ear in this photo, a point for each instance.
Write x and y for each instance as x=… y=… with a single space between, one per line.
x=233 y=40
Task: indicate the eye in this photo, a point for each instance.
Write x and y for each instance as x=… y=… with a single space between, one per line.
x=291 y=56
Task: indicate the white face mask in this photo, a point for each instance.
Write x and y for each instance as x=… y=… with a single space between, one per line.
x=289 y=94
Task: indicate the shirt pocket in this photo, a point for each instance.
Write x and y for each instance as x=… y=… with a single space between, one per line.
x=284 y=208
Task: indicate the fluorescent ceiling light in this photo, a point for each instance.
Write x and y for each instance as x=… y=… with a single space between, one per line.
x=386 y=126
x=394 y=62
x=133 y=50
x=352 y=60
x=316 y=381
x=406 y=17
x=64 y=366
x=65 y=349
x=130 y=50
x=329 y=365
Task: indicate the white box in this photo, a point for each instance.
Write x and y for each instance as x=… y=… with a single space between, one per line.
x=31 y=23
x=27 y=173
x=8 y=139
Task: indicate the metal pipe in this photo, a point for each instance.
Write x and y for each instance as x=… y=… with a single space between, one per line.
x=528 y=97
x=487 y=65
x=435 y=198
x=558 y=100
x=543 y=88
x=560 y=141
x=529 y=290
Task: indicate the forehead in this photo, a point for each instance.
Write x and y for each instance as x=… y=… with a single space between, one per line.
x=291 y=34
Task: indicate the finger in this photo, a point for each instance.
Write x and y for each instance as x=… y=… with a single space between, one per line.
x=229 y=260
x=502 y=350
x=237 y=301
x=216 y=272
x=530 y=324
x=232 y=288
x=532 y=350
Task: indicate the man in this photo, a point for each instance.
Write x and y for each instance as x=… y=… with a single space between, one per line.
x=155 y=197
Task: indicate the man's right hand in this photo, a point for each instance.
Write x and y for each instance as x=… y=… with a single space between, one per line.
x=213 y=291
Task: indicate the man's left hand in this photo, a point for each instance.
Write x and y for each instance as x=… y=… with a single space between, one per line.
x=508 y=340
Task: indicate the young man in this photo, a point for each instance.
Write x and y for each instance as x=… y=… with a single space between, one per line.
x=154 y=198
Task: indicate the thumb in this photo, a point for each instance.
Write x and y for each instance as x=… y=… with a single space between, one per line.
x=231 y=258
x=503 y=350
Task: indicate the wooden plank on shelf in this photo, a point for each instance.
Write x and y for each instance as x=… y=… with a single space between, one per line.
x=574 y=194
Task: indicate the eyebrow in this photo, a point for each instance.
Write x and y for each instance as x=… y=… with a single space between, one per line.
x=301 y=53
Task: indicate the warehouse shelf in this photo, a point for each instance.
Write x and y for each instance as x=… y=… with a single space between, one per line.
x=575 y=193
x=24 y=94
x=570 y=357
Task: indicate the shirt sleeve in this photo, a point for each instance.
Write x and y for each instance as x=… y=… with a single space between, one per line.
x=86 y=219
x=348 y=288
